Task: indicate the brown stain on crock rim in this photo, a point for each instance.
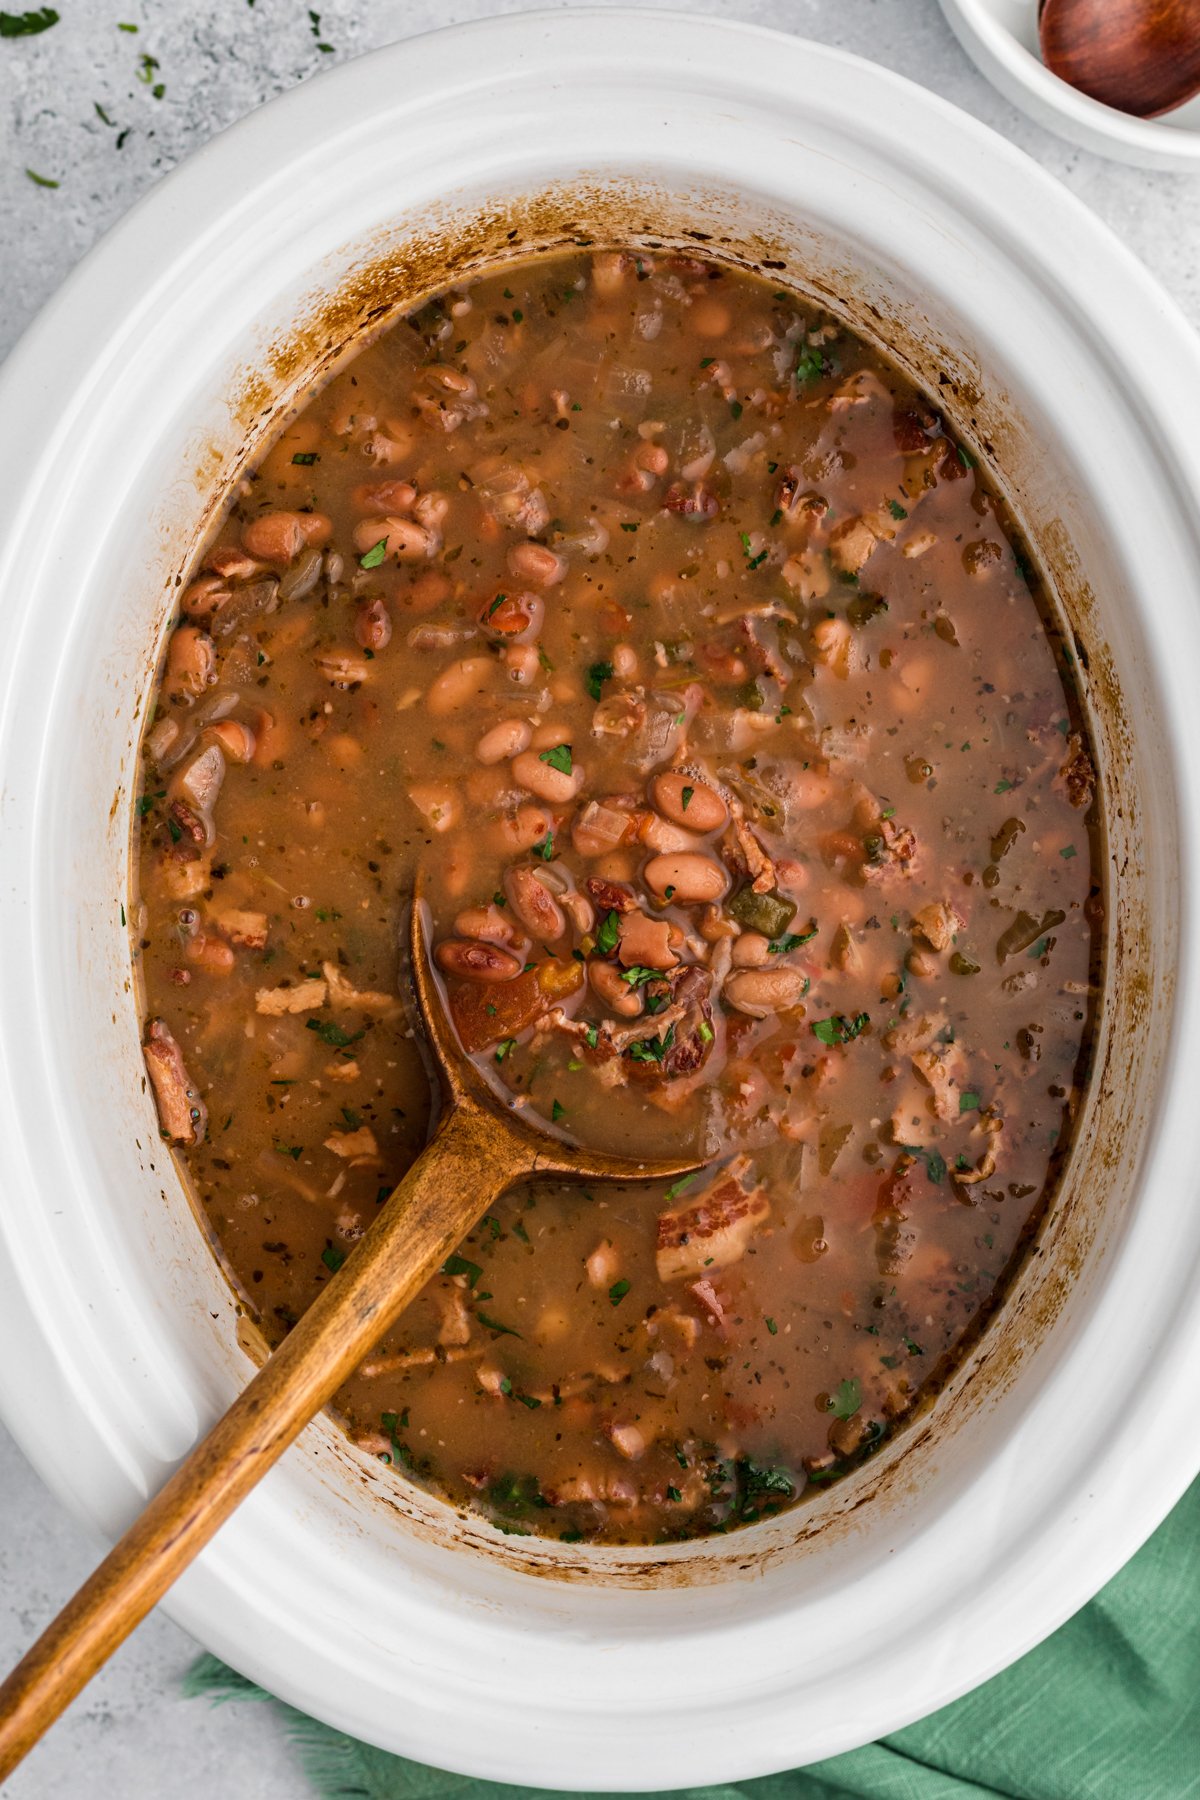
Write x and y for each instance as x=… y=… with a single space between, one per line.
x=455 y=244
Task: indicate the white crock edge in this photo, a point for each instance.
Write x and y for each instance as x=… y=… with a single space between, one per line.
x=1178 y=1470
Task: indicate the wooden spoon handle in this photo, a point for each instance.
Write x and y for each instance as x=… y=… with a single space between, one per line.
x=466 y=1167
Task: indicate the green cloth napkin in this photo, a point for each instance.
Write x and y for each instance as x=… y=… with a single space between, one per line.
x=1106 y=1709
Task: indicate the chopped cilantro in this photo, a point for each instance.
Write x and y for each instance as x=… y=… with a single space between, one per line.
x=1002 y=787
x=705 y=1032
x=295 y=1151
x=597 y=675
x=458 y=1265
x=897 y=511
x=935 y=1162
x=333 y=1259
x=557 y=1110
x=546 y=848
x=558 y=757
x=27 y=24
x=686 y=797
x=968 y=1102
x=332 y=1034
x=810 y=366
x=638 y=975
x=503 y=1048
x=846 y=1399
x=490 y=1324
x=618 y=1291
x=608 y=933
x=772 y=1327
x=305 y=458
x=371 y=559
x=651 y=1049
x=1067 y=853
x=782 y=946
x=838 y=1029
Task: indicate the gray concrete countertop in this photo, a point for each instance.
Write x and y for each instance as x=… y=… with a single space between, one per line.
x=81 y=105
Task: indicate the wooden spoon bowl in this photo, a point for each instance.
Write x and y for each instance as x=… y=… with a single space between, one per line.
x=480 y=1149
x=1140 y=56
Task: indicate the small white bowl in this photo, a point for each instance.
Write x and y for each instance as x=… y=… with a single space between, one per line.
x=1001 y=37
x=133 y=402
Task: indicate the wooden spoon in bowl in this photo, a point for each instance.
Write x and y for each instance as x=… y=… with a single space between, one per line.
x=480 y=1149
x=1140 y=56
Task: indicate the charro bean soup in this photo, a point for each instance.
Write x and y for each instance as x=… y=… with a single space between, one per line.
x=678 y=640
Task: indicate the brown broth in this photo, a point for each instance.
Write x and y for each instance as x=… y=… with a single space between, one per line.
x=569 y=552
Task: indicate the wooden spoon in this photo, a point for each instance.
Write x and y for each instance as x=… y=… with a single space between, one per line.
x=480 y=1149
x=1140 y=56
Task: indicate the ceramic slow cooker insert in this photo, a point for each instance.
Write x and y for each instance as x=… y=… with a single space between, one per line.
x=134 y=400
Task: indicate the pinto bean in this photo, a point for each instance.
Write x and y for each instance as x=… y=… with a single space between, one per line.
x=237 y=741
x=659 y=834
x=506 y=739
x=609 y=270
x=473 y=960
x=526 y=827
x=485 y=922
x=211 y=954
x=751 y=951
x=342 y=667
x=401 y=537
x=580 y=911
x=534 y=905
x=428 y=590
x=458 y=685
x=521 y=661
x=543 y=780
x=610 y=986
x=438 y=803
x=710 y=318
x=430 y=510
x=382 y=497
x=685 y=876
x=204 y=598
x=232 y=563
x=688 y=802
x=191 y=662
x=537 y=564
x=279 y=537
x=513 y=618
x=199 y=782
x=373 y=625
x=760 y=992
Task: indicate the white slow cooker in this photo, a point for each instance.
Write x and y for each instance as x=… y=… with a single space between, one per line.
x=143 y=387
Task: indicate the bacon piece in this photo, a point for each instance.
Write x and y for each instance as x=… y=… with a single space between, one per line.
x=937 y=924
x=304 y=996
x=247 y=929
x=1077 y=774
x=376 y=1006
x=182 y=1115
x=356 y=1147
x=714 y=1229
